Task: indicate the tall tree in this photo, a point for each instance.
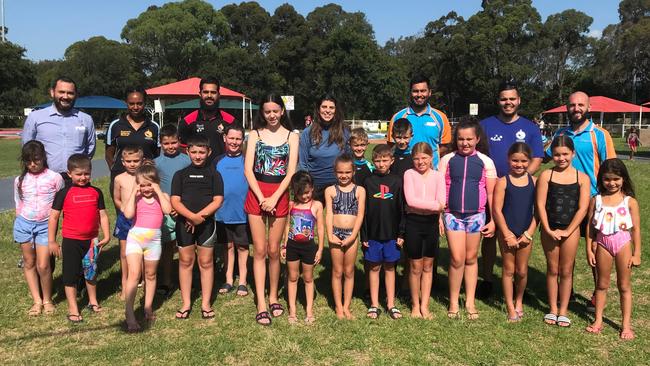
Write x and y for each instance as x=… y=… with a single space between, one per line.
x=16 y=78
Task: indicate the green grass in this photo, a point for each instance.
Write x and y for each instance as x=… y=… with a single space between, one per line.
x=10 y=162
x=234 y=338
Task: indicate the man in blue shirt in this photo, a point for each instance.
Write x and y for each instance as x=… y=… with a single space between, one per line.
x=63 y=129
x=502 y=131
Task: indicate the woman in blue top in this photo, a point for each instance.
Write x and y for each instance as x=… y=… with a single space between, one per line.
x=321 y=142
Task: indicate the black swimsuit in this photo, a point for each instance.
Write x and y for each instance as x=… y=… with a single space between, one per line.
x=561 y=202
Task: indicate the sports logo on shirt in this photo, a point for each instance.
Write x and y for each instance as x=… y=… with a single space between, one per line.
x=521 y=136
x=125 y=133
x=200 y=128
x=148 y=134
x=384 y=193
x=496 y=138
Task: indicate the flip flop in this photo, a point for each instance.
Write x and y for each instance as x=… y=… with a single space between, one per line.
x=394 y=313
x=75 y=318
x=452 y=314
x=593 y=329
x=472 y=315
x=95 y=308
x=373 y=312
x=35 y=310
x=48 y=308
x=183 y=314
x=226 y=288
x=242 y=290
x=550 y=319
x=263 y=315
x=207 y=314
x=276 y=307
x=563 y=321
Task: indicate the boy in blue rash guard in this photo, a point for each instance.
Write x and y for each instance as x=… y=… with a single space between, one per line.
x=167 y=164
x=358 y=144
x=382 y=231
x=232 y=222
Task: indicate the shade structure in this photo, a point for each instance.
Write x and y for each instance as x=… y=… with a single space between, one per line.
x=646 y=103
x=188 y=88
x=223 y=103
x=606 y=105
x=93 y=102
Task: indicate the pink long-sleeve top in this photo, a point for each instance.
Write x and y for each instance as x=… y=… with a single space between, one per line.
x=38 y=194
x=424 y=192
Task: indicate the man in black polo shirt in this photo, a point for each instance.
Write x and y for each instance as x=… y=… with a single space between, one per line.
x=208 y=120
x=133 y=128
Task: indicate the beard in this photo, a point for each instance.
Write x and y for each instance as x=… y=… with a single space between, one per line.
x=209 y=108
x=60 y=107
x=578 y=121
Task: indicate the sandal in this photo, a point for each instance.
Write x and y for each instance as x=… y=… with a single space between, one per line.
x=520 y=313
x=394 y=313
x=226 y=288
x=594 y=329
x=183 y=314
x=452 y=314
x=373 y=312
x=292 y=319
x=563 y=321
x=95 y=308
x=276 y=307
x=242 y=290
x=35 y=310
x=550 y=319
x=264 y=315
x=48 y=308
x=75 y=318
x=472 y=315
x=207 y=314
x=627 y=335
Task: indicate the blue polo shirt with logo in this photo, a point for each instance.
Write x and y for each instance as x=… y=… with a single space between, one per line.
x=502 y=135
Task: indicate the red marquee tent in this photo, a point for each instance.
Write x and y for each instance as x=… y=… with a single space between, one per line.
x=187 y=89
x=606 y=105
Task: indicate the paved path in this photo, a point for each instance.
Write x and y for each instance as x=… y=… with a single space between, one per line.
x=100 y=169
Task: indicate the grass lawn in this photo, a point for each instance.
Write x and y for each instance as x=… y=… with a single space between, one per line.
x=234 y=338
x=10 y=162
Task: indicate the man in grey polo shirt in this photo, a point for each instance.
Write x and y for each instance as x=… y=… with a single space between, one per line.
x=63 y=129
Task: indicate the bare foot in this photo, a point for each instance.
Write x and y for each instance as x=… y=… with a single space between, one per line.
x=132 y=326
x=309 y=320
x=627 y=334
x=122 y=296
x=292 y=319
x=340 y=314
x=415 y=313
x=348 y=314
x=427 y=315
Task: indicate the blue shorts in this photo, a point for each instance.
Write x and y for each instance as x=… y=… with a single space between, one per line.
x=26 y=231
x=122 y=226
x=469 y=223
x=382 y=251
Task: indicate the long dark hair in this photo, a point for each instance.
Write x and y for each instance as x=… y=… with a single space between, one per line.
x=32 y=150
x=299 y=182
x=617 y=167
x=260 y=122
x=471 y=122
x=337 y=125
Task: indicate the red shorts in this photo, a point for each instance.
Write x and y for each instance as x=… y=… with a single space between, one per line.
x=252 y=205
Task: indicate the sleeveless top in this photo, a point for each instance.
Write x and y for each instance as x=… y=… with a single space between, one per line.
x=271 y=161
x=518 y=205
x=562 y=202
x=345 y=203
x=301 y=225
x=148 y=215
x=612 y=219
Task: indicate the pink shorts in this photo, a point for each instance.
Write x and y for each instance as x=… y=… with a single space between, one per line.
x=613 y=243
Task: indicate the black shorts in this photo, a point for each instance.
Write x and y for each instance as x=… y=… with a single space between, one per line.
x=422 y=237
x=204 y=235
x=73 y=251
x=239 y=234
x=304 y=252
x=319 y=193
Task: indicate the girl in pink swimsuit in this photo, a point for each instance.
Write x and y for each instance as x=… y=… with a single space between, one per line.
x=614 y=223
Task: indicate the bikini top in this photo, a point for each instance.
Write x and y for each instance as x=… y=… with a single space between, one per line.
x=562 y=201
x=345 y=203
x=612 y=219
x=301 y=225
x=271 y=161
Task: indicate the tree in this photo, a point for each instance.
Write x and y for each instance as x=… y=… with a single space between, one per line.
x=16 y=78
x=250 y=26
x=176 y=40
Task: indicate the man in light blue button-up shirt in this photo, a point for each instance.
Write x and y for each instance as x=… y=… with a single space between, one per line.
x=63 y=129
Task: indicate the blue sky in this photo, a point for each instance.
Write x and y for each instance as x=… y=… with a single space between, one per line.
x=47 y=28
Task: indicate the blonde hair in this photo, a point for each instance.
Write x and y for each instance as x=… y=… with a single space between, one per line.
x=358 y=134
x=422 y=148
x=148 y=172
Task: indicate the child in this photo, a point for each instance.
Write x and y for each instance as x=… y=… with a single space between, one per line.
x=402 y=135
x=358 y=144
x=197 y=192
x=346 y=204
x=232 y=224
x=271 y=159
x=146 y=205
x=305 y=221
x=122 y=188
x=424 y=191
x=382 y=232
x=34 y=192
x=84 y=212
x=167 y=164
x=562 y=200
x=470 y=177
x=514 y=203
x=614 y=223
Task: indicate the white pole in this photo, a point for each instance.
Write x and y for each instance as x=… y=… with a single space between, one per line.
x=243 y=111
x=2 y=6
x=640 y=115
x=602 y=114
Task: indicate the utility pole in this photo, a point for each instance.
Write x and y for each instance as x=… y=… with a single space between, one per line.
x=2 y=7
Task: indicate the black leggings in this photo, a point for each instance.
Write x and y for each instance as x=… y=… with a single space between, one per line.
x=422 y=236
x=73 y=251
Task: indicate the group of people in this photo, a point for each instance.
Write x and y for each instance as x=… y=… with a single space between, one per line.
x=288 y=193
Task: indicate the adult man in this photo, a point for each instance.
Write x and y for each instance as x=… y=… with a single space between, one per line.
x=63 y=129
x=502 y=131
x=593 y=145
x=429 y=125
x=208 y=120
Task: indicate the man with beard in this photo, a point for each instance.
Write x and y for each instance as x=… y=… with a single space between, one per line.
x=208 y=120
x=593 y=145
x=429 y=125
x=63 y=129
x=503 y=130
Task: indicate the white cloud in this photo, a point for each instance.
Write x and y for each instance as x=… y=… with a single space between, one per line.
x=595 y=33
